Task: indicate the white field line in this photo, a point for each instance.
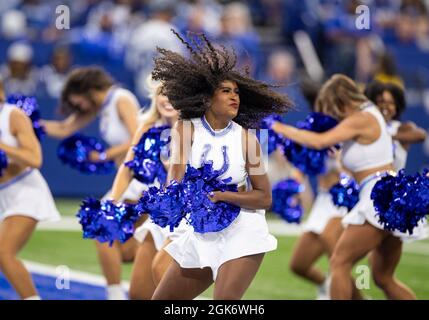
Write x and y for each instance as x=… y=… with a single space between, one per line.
x=276 y=227
x=74 y=275
x=79 y=276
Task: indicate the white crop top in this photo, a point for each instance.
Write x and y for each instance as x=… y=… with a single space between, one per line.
x=6 y=136
x=358 y=157
x=400 y=154
x=112 y=129
x=223 y=147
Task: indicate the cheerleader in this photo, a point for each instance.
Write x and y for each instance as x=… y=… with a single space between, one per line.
x=390 y=99
x=367 y=152
x=88 y=93
x=321 y=231
x=25 y=198
x=150 y=259
x=209 y=94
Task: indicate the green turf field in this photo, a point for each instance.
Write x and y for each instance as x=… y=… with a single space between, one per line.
x=273 y=281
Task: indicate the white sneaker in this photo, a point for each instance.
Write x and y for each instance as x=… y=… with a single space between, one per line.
x=324 y=289
x=116 y=292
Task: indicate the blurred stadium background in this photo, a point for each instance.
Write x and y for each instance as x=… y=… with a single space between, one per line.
x=296 y=43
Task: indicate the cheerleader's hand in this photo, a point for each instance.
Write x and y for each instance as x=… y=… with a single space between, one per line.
x=215 y=196
x=95 y=156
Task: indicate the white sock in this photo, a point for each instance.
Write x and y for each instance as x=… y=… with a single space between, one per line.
x=116 y=292
x=33 y=298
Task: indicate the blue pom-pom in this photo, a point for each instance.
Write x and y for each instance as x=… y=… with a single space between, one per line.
x=3 y=161
x=165 y=206
x=345 y=193
x=31 y=108
x=74 y=151
x=147 y=165
x=401 y=201
x=106 y=221
x=204 y=215
x=274 y=139
x=285 y=201
x=310 y=161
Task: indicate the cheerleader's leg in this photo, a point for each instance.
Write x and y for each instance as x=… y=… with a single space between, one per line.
x=182 y=283
x=142 y=285
x=330 y=236
x=15 y=231
x=384 y=260
x=160 y=263
x=307 y=251
x=110 y=259
x=235 y=276
x=355 y=243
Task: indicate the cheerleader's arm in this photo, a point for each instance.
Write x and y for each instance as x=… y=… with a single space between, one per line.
x=408 y=133
x=181 y=144
x=67 y=127
x=29 y=151
x=260 y=195
x=124 y=175
x=348 y=129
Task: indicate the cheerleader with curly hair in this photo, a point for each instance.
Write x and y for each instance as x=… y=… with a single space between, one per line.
x=390 y=99
x=217 y=105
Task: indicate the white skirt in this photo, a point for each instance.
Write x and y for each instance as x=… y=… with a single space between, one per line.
x=133 y=192
x=322 y=211
x=28 y=195
x=364 y=211
x=247 y=235
x=159 y=235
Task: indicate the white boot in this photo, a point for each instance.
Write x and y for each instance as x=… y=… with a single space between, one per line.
x=33 y=298
x=323 y=291
x=116 y=292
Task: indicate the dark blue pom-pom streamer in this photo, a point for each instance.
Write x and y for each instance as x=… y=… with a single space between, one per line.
x=3 y=161
x=274 y=139
x=401 y=201
x=309 y=161
x=167 y=207
x=31 y=108
x=74 y=151
x=147 y=165
x=204 y=215
x=285 y=200
x=106 y=221
x=345 y=193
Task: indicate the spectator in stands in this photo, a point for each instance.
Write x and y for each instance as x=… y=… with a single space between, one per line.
x=18 y=74
x=281 y=69
x=106 y=33
x=385 y=71
x=54 y=75
x=40 y=15
x=143 y=41
x=344 y=39
x=237 y=31
x=13 y=25
x=203 y=16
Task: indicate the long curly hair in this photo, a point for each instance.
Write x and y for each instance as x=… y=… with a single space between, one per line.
x=189 y=83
